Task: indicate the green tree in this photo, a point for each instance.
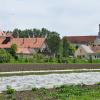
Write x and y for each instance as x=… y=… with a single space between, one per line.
x=16 y=33
x=68 y=48
x=53 y=41
x=13 y=50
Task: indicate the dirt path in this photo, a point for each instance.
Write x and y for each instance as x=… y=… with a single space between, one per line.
x=34 y=67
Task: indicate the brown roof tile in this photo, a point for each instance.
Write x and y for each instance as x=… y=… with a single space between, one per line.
x=80 y=39
x=24 y=42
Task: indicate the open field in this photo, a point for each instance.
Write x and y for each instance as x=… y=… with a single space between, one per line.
x=78 y=92
x=27 y=82
x=30 y=67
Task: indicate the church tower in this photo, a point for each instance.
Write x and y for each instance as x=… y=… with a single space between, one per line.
x=99 y=32
x=97 y=41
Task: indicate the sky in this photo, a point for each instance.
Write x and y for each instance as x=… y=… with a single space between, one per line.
x=67 y=17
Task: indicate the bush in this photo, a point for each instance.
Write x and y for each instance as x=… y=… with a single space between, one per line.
x=34 y=89
x=90 y=59
x=51 y=59
x=64 y=60
x=38 y=58
x=10 y=90
x=74 y=60
x=4 y=56
x=10 y=93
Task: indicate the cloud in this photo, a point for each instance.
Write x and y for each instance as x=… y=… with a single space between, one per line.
x=68 y=17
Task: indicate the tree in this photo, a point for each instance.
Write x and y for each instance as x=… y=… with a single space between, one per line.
x=13 y=50
x=68 y=48
x=53 y=41
x=16 y=33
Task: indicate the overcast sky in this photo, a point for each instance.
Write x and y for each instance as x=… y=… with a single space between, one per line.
x=67 y=17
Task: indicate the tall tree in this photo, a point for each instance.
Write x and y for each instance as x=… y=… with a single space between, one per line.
x=16 y=32
x=53 y=41
x=68 y=48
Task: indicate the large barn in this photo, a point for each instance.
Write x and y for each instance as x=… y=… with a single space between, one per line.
x=78 y=40
x=24 y=45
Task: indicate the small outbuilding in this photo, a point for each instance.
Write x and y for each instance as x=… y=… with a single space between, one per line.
x=84 y=51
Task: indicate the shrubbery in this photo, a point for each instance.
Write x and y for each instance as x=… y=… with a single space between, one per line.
x=4 y=56
x=10 y=93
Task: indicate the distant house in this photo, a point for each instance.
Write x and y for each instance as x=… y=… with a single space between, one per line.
x=25 y=46
x=92 y=50
x=84 y=51
x=79 y=40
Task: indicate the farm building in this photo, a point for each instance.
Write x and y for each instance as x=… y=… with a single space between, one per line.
x=93 y=50
x=79 y=40
x=25 y=46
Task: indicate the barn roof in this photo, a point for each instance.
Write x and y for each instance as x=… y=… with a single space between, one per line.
x=23 y=42
x=80 y=39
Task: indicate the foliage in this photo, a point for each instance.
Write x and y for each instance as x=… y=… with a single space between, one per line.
x=4 y=56
x=14 y=47
x=10 y=93
x=34 y=89
x=90 y=59
x=10 y=90
x=98 y=83
x=64 y=92
x=53 y=38
x=53 y=42
x=13 y=50
x=68 y=48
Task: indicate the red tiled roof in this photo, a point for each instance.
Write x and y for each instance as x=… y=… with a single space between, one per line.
x=80 y=39
x=24 y=42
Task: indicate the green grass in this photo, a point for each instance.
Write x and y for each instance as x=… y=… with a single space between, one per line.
x=53 y=61
x=78 y=92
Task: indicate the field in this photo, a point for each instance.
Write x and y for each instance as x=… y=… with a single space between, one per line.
x=30 y=67
x=78 y=92
x=65 y=92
